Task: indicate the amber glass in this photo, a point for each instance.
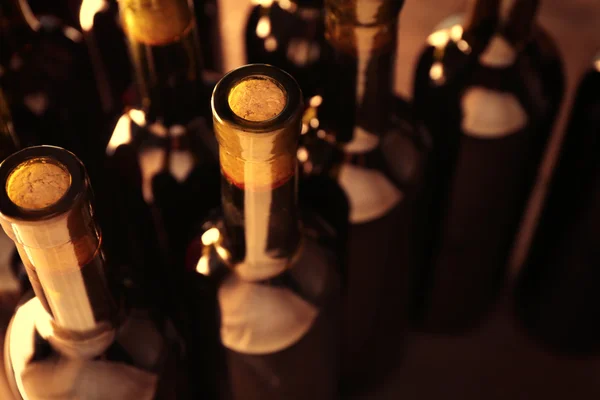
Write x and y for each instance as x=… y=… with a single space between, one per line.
x=278 y=285
x=81 y=319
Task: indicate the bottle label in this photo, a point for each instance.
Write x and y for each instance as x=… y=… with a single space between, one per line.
x=370 y=193
x=489 y=114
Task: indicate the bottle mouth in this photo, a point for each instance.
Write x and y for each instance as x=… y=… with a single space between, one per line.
x=256 y=98
x=257 y=113
x=39 y=183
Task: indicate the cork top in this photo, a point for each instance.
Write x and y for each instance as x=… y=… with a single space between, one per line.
x=257 y=99
x=38 y=183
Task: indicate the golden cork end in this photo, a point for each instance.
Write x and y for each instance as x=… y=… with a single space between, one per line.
x=257 y=99
x=38 y=183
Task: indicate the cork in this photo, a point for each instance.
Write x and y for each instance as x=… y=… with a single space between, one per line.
x=156 y=22
x=37 y=184
x=257 y=99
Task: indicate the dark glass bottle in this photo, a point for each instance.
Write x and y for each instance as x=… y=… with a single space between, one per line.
x=557 y=297
x=490 y=111
x=207 y=17
x=81 y=336
x=50 y=84
x=107 y=46
x=289 y=35
x=169 y=130
x=278 y=287
x=373 y=130
x=10 y=287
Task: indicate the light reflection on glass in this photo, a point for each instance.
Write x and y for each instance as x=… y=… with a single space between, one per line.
x=88 y=10
x=211 y=236
x=202 y=266
x=121 y=134
x=438 y=38
x=456 y=33
x=463 y=46
x=315 y=101
x=302 y=154
x=271 y=44
x=436 y=73
x=138 y=117
x=263 y=27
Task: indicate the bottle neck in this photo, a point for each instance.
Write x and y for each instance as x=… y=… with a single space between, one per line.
x=62 y=252
x=165 y=53
x=260 y=213
x=8 y=140
x=516 y=22
x=362 y=34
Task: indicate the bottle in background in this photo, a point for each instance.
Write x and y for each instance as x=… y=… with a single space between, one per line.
x=289 y=35
x=169 y=129
x=209 y=27
x=489 y=94
x=557 y=297
x=50 y=83
x=278 y=286
x=84 y=335
x=376 y=169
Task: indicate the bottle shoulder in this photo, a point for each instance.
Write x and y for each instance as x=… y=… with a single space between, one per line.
x=268 y=315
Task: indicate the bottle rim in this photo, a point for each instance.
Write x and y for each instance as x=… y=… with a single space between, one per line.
x=73 y=195
x=224 y=115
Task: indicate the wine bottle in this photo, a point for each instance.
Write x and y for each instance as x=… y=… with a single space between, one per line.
x=76 y=338
x=490 y=119
x=289 y=35
x=556 y=297
x=374 y=130
x=50 y=84
x=105 y=40
x=10 y=287
x=207 y=18
x=170 y=133
x=278 y=287
x=8 y=140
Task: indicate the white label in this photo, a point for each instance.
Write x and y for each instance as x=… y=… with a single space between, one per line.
x=498 y=53
x=371 y=195
x=490 y=114
x=261 y=319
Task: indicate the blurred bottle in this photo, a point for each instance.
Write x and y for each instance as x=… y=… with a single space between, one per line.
x=50 y=84
x=107 y=46
x=373 y=131
x=557 y=297
x=291 y=36
x=489 y=94
x=84 y=335
x=169 y=130
x=278 y=287
x=209 y=27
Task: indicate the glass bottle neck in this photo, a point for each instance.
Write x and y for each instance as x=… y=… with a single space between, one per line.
x=363 y=37
x=260 y=214
x=165 y=54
